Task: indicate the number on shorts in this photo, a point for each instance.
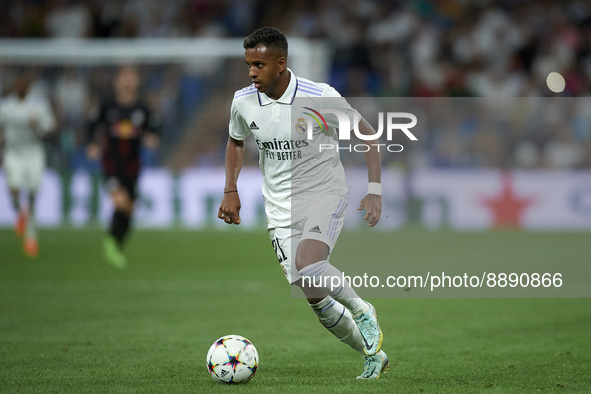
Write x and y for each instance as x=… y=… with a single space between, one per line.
x=280 y=254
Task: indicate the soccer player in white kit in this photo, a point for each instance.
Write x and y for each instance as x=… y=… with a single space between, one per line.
x=25 y=118
x=304 y=191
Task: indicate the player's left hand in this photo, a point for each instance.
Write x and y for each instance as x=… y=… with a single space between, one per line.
x=151 y=140
x=372 y=203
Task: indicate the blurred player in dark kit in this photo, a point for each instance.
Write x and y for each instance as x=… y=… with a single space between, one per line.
x=116 y=133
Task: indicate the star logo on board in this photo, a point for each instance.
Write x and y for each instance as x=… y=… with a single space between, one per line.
x=507 y=208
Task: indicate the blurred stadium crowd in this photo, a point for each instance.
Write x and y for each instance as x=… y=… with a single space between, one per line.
x=418 y=48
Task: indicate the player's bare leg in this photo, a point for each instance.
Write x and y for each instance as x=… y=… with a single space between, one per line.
x=123 y=204
x=312 y=264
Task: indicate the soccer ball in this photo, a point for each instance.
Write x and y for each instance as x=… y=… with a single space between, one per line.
x=232 y=359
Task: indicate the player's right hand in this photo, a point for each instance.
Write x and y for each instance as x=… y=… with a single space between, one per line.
x=229 y=210
x=93 y=151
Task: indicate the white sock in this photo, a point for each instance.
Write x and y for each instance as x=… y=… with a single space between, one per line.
x=337 y=319
x=30 y=231
x=321 y=275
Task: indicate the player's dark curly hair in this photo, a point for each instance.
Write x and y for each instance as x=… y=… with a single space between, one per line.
x=271 y=37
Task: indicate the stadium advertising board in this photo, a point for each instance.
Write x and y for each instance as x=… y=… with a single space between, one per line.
x=437 y=199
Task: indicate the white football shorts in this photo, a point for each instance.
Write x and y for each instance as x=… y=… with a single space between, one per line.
x=323 y=222
x=24 y=170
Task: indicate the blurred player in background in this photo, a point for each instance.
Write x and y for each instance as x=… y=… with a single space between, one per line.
x=25 y=118
x=116 y=132
x=264 y=110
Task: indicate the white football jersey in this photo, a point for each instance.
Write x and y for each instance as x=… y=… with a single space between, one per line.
x=15 y=115
x=295 y=172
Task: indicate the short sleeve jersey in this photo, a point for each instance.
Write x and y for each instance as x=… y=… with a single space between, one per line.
x=121 y=129
x=293 y=166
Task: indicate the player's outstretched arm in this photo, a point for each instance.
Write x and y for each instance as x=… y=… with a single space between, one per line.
x=229 y=210
x=372 y=203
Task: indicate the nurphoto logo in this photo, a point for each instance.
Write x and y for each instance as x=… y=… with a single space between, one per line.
x=345 y=129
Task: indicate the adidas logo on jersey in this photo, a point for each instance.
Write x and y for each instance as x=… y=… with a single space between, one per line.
x=253 y=126
x=315 y=229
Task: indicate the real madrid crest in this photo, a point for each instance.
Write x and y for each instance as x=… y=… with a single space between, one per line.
x=301 y=126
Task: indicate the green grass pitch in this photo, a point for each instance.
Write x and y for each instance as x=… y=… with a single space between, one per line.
x=71 y=324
